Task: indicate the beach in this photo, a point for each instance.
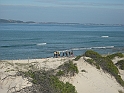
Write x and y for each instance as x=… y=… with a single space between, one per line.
x=91 y=80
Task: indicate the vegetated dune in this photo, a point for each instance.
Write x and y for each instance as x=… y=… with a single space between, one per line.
x=88 y=80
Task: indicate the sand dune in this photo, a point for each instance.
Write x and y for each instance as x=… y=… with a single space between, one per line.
x=91 y=80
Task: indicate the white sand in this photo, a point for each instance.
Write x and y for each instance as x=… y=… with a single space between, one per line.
x=91 y=81
x=94 y=80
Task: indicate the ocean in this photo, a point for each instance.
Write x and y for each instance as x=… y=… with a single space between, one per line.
x=23 y=41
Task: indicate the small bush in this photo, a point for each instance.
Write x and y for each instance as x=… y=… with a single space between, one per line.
x=69 y=68
x=120 y=64
x=112 y=56
x=60 y=73
x=61 y=87
x=105 y=63
x=83 y=70
x=46 y=82
x=108 y=66
x=77 y=58
x=97 y=65
x=92 y=54
x=92 y=62
x=119 y=80
x=120 y=91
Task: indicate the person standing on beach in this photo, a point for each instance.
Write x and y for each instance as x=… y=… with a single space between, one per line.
x=72 y=53
x=63 y=54
x=54 y=53
x=66 y=53
x=69 y=53
x=58 y=53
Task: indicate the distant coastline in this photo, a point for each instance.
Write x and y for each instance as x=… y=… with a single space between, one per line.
x=87 y=24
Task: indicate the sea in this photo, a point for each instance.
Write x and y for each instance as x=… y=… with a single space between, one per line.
x=24 y=41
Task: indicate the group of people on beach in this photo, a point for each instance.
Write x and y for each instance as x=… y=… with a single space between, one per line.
x=63 y=53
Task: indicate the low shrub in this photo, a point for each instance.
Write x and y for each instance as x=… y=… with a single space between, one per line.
x=120 y=91
x=61 y=87
x=60 y=73
x=68 y=69
x=92 y=54
x=120 y=64
x=112 y=56
x=92 y=62
x=83 y=70
x=46 y=82
x=105 y=63
x=77 y=58
x=119 y=80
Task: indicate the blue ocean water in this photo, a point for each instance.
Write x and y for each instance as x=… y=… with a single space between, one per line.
x=22 y=41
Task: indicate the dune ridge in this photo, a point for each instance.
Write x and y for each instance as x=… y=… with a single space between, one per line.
x=88 y=80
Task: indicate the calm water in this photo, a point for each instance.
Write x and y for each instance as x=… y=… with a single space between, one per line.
x=22 y=41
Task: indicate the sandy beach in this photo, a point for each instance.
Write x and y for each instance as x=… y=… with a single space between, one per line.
x=90 y=81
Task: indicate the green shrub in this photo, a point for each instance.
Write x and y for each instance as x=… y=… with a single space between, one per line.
x=77 y=58
x=120 y=64
x=46 y=82
x=112 y=56
x=61 y=87
x=92 y=62
x=120 y=91
x=60 y=73
x=108 y=66
x=92 y=54
x=119 y=80
x=97 y=65
x=69 y=69
x=83 y=70
x=105 y=63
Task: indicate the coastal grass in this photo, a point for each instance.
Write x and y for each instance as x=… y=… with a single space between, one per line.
x=47 y=81
x=92 y=62
x=68 y=69
x=77 y=58
x=112 y=56
x=120 y=91
x=105 y=63
x=120 y=64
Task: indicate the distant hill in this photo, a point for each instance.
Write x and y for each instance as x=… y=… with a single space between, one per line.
x=14 y=21
x=86 y=24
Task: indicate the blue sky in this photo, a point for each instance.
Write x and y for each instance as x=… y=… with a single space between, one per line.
x=70 y=11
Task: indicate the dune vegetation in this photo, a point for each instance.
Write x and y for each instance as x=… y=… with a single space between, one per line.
x=106 y=64
x=52 y=80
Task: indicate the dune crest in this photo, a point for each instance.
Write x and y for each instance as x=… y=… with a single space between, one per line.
x=88 y=80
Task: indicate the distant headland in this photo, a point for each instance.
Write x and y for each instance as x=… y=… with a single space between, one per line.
x=14 y=21
x=90 y=24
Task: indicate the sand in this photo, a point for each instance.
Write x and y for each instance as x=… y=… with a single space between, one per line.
x=91 y=81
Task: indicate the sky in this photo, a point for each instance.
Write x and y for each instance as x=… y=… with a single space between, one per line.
x=64 y=11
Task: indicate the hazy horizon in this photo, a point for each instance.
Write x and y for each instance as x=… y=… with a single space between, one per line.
x=71 y=11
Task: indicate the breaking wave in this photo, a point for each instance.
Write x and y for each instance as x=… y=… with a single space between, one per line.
x=104 y=36
x=41 y=44
x=106 y=47
x=23 y=45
